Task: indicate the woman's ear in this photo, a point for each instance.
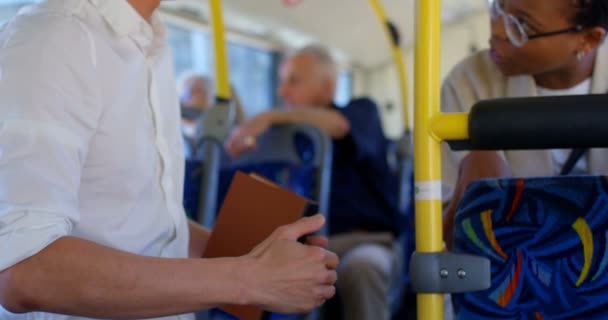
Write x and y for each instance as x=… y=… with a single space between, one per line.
x=593 y=38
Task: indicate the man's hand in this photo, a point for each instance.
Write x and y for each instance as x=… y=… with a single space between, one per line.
x=318 y=241
x=244 y=137
x=476 y=165
x=289 y=277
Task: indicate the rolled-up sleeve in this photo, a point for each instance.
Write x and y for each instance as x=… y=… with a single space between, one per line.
x=48 y=114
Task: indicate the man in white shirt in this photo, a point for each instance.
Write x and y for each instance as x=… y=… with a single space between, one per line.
x=91 y=170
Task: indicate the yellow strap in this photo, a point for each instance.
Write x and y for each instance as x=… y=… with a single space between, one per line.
x=399 y=62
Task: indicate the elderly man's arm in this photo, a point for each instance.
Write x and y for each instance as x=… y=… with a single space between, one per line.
x=330 y=121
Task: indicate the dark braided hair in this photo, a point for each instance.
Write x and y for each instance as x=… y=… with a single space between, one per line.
x=592 y=13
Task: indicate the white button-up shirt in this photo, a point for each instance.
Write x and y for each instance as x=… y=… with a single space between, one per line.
x=90 y=144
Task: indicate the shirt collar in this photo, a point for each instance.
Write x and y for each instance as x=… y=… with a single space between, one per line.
x=126 y=22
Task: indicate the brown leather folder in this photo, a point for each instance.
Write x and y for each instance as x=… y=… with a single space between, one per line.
x=253 y=208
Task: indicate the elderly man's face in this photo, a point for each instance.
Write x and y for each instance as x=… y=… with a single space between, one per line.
x=304 y=83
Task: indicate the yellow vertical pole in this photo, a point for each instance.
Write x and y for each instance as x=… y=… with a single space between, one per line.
x=221 y=58
x=427 y=162
x=399 y=61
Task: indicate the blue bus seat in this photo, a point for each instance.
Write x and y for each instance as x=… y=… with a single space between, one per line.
x=192 y=185
x=296 y=156
x=402 y=299
x=547 y=240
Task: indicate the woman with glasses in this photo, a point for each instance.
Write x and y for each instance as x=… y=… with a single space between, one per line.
x=537 y=48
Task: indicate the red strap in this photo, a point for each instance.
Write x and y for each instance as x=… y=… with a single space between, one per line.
x=291 y=3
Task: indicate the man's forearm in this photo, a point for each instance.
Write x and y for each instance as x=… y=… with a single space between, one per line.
x=77 y=277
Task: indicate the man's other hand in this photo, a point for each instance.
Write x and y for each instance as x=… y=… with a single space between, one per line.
x=289 y=277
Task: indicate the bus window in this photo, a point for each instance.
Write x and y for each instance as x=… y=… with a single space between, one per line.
x=344 y=88
x=252 y=70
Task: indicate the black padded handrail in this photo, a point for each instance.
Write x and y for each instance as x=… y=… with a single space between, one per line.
x=538 y=123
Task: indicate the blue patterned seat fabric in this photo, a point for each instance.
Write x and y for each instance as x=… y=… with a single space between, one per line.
x=547 y=240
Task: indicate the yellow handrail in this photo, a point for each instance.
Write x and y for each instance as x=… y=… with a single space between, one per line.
x=452 y=126
x=221 y=58
x=427 y=162
x=399 y=61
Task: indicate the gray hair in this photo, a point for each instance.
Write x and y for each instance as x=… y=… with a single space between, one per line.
x=321 y=55
x=185 y=81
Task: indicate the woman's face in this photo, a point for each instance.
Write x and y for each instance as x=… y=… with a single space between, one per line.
x=543 y=54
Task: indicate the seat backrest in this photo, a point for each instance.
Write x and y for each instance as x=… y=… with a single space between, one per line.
x=401 y=161
x=405 y=159
x=203 y=164
x=547 y=240
x=296 y=156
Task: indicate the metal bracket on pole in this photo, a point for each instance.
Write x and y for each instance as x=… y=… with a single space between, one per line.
x=217 y=122
x=447 y=272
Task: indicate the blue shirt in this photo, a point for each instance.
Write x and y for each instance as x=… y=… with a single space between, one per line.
x=364 y=190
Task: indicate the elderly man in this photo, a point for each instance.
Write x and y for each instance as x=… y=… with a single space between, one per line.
x=364 y=220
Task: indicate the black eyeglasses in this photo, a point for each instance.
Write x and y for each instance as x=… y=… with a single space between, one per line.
x=516 y=30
